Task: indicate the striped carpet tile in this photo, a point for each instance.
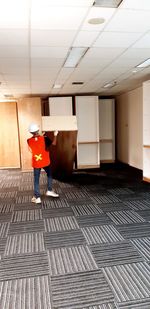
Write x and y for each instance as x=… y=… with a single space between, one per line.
x=24 y=199
x=93 y=220
x=87 y=209
x=117 y=253
x=111 y=207
x=145 y=195
x=26 y=187
x=145 y=214
x=4 y=227
x=63 y=239
x=25 y=192
x=129 y=282
x=117 y=191
x=125 y=217
x=103 y=306
x=138 y=205
x=57 y=212
x=8 y=195
x=24 y=266
x=76 y=291
x=60 y=224
x=5 y=217
x=24 y=243
x=7 y=200
x=8 y=188
x=5 y=208
x=102 y=199
x=26 y=227
x=26 y=215
x=71 y=260
x=57 y=203
x=130 y=197
x=27 y=293
x=143 y=247
x=2 y=245
x=101 y=234
x=135 y=304
x=80 y=202
x=27 y=206
x=75 y=195
x=134 y=230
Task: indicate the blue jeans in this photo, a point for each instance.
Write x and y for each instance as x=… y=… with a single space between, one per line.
x=37 y=172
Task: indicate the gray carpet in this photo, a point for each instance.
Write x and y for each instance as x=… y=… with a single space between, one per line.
x=88 y=249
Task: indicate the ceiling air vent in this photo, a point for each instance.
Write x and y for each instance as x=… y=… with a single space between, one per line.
x=107 y=3
x=8 y=96
x=77 y=83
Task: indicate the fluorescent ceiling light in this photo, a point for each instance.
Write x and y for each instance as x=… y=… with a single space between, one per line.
x=75 y=55
x=110 y=85
x=107 y=3
x=144 y=64
x=57 y=86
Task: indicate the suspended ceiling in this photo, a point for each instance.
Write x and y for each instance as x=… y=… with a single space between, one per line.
x=37 y=35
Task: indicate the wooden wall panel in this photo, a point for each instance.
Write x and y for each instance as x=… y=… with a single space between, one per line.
x=9 y=144
x=29 y=110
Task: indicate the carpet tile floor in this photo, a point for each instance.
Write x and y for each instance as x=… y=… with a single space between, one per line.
x=87 y=249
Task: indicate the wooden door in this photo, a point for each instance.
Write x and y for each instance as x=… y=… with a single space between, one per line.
x=9 y=141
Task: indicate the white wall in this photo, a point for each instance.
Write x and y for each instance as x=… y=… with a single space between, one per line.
x=129 y=108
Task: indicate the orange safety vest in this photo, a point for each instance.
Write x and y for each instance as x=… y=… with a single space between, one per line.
x=40 y=157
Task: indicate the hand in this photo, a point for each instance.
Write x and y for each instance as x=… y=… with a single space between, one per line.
x=55 y=133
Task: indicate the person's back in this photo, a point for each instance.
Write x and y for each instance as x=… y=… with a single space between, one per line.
x=39 y=147
x=40 y=156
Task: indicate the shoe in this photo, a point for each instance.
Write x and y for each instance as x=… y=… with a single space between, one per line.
x=52 y=193
x=36 y=200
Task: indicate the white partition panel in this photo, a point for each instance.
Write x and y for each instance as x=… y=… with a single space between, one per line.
x=88 y=131
x=107 y=129
x=146 y=131
x=60 y=123
x=60 y=106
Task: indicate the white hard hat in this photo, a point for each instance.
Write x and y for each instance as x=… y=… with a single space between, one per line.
x=33 y=127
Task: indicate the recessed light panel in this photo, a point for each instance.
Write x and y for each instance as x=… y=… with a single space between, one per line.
x=144 y=64
x=107 y=3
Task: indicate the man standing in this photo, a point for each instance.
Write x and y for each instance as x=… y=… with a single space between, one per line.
x=39 y=147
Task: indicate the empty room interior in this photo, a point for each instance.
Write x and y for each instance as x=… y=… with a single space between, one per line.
x=77 y=234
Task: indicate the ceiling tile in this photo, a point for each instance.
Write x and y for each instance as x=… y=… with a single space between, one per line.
x=133 y=53
x=85 y=38
x=63 y=38
x=127 y=20
x=93 y=63
x=14 y=14
x=104 y=53
x=144 y=42
x=135 y=4
x=116 y=39
x=48 y=52
x=97 y=12
x=64 y=75
x=62 y=3
x=9 y=37
x=46 y=62
x=44 y=73
x=84 y=75
x=14 y=51
x=13 y=63
x=57 y=18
